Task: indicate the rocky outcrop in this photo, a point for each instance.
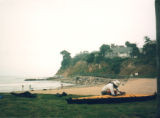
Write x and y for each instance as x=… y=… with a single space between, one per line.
x=90 y=80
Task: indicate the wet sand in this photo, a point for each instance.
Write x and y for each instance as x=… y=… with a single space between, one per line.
x=132 y=86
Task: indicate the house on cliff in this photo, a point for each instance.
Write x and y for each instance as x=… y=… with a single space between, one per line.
x=119 y=51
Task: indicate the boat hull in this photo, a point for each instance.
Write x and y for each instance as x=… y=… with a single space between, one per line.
x=108 y=99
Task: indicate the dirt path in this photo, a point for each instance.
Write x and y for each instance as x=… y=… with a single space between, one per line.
x=132 y=86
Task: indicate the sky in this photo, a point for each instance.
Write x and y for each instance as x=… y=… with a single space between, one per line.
x=34 y=32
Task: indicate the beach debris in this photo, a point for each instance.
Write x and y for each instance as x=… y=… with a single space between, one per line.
x=24 y=94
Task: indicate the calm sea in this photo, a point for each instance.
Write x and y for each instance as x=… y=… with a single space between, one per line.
x=10 y=84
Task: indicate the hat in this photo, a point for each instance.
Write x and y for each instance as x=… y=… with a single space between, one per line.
x=116 y=83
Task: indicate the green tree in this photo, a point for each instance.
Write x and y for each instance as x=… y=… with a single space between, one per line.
x=135 y=51
x=90 y=58
x=115 y=64
x=104 y=49
x=147 y=39
x=66 y=59
x=127 y=43
x=148 y=55
x=82 y=56
x=99 y=58
x=149 y=48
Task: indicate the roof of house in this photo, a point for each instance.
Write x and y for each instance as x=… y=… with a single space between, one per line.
x=121 y=49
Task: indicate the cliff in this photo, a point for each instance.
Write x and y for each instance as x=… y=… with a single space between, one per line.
x=124 y=68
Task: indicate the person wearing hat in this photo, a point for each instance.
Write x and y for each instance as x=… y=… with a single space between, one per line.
x=111 y=88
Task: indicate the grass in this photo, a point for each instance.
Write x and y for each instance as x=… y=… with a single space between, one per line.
x=51 y=106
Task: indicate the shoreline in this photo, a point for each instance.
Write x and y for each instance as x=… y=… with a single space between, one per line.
x=131 y=86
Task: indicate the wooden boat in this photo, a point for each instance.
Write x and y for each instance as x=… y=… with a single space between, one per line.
x=110 y=99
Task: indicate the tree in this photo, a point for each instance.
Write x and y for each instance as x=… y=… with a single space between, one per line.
x=135 y=50
x=149 y=48
x=147 y=39
x=127 y=43
x=82 y=56
x=157 y=10
x=113 y=45
x=99 y=58
x=104 y=49
x=90 y=58
x=66 y=59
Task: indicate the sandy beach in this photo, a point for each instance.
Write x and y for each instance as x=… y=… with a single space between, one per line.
x=132 y=86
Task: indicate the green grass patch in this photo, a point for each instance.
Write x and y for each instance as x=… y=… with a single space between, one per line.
x=51 y=106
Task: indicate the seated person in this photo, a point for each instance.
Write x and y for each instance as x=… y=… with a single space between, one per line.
x=112 y=89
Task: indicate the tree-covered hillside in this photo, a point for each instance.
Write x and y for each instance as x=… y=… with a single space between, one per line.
x=110 y=60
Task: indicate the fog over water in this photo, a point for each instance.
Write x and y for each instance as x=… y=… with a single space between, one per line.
x=12 y=84
x=34 y=32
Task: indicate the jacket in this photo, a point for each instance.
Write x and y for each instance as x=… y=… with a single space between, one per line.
x=109 y=87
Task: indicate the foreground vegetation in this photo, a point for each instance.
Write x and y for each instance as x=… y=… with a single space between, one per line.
x=53 y=106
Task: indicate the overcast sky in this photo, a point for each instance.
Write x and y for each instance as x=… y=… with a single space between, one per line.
x=34 y=32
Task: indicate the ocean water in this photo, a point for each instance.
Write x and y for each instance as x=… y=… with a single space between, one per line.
x=12 y=84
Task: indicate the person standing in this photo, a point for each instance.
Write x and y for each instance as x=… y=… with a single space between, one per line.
x=61 y=86
x=22 y=87
x=30 y=87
